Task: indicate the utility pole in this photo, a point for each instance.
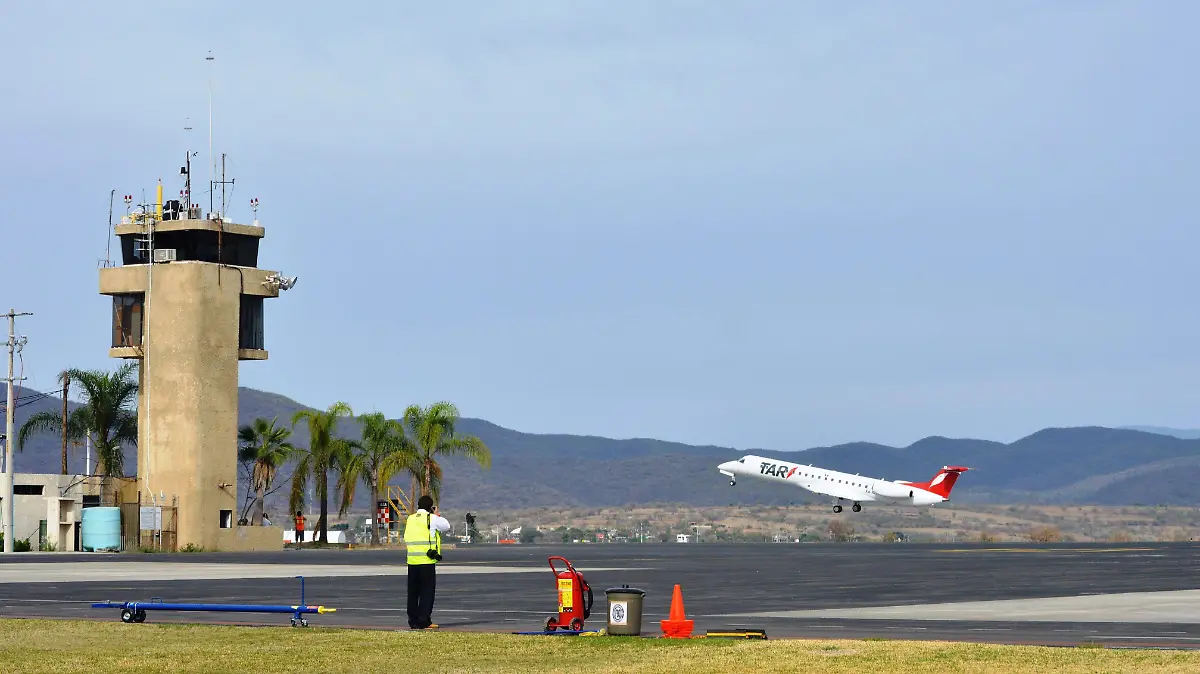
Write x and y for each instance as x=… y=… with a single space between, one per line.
x=13 y=345
x=66 y=385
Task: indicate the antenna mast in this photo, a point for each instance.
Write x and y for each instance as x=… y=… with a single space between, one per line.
x=186 y=194
x=108 y=249
x=187 y=183
x=212 y=169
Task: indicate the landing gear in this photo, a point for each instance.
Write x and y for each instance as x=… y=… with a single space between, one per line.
x=856 y=507
x=837 y=508
x=131 y=616
x=732 y=483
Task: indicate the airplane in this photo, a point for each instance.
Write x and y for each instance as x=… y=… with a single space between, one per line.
x=844 y=486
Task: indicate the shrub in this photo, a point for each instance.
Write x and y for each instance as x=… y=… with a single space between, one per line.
x=18 y=545
x=1045 y=534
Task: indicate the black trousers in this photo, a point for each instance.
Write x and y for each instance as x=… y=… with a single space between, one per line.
x=422 y=581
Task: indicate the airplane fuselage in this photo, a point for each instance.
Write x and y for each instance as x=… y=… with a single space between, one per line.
x=832 y=483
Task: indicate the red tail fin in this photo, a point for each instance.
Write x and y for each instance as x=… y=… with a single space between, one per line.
x=943 y=482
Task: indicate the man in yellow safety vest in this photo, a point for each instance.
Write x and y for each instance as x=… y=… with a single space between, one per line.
x=423 y=538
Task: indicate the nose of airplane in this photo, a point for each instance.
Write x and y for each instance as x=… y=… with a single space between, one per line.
x=727 y=467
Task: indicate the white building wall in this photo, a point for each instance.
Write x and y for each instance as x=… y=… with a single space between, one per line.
x=58 y=500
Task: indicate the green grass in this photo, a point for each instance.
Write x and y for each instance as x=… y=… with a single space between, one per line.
x=50 y=646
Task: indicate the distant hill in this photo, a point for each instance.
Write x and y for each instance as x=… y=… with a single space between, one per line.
x=1184 y=433
x=1087 y=465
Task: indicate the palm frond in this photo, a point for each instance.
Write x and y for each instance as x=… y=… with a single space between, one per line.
x=41 y=422
x=468 y=446
x=126 y=429
x=300 y=482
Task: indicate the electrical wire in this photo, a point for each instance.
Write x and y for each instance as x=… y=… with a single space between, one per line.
x=31 y=398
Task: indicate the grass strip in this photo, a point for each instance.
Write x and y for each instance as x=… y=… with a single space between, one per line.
x=62 y=646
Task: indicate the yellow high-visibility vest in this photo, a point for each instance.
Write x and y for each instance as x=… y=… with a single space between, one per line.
x=418 y=540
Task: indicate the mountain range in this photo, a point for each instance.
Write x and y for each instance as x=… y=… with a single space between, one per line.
x=1080 y=465
x=1185 y=433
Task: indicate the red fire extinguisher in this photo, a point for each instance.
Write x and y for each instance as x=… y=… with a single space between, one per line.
x=573 y=608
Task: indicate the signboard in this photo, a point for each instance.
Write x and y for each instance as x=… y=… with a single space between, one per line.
x=566 y=594
x=151 y=518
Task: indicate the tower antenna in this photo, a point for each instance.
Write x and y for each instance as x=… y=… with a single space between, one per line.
x=108 y=249
x=186 y=195
x=212 y=161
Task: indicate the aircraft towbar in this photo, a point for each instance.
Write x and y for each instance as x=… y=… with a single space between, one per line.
x=135 y=611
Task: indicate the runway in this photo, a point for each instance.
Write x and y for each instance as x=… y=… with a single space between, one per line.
x=1127 y=595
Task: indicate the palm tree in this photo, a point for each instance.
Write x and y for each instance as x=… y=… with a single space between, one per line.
x=323 y=454
x=108 y=413
x=267 y=448
x=382 y=452
x=432 y=431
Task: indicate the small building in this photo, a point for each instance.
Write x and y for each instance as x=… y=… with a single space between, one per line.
x=47 y=509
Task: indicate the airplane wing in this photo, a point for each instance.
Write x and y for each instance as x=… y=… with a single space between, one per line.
x=838 y=491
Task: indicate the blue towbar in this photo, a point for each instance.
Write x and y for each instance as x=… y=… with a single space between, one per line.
x=135 y=611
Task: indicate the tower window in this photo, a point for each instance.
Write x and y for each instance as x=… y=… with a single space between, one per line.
x=250 y=328
x=128 y=319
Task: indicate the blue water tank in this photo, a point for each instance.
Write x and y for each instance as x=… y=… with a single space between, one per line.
x=100 y=529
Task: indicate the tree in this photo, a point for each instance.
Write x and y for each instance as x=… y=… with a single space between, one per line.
x=432 y=432
x=1045 y=534
x=108 y=413
x=265 y=448
x=383 y=452
x=322 y=455
x=840 y=531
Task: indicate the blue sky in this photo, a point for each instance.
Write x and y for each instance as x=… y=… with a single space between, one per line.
x=757 y=224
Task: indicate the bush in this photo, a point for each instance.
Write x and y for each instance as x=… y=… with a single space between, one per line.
x=18 y=545
x=1045 y=534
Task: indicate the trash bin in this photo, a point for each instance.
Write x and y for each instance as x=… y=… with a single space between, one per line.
x=625 y=610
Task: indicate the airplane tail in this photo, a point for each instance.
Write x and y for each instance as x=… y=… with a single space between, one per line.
x=943 y=482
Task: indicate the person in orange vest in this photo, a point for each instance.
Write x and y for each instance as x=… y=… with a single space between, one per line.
x=299 y=528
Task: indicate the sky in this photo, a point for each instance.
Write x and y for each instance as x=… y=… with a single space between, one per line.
x=756 y=224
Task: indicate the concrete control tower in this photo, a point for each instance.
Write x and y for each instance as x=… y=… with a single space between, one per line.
x=188 y=304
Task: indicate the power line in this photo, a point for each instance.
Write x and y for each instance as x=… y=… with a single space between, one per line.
x=29 y=399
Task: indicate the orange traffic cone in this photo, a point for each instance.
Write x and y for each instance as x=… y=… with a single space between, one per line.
x=677 y=626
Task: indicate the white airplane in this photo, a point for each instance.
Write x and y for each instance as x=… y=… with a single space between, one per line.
x=844 y=486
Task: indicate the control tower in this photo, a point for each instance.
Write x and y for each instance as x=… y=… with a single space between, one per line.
x=188 y=305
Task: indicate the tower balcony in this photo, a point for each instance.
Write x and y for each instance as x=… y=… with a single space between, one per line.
x=191 y=287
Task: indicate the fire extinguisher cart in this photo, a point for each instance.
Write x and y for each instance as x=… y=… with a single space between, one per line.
x=574 y=598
